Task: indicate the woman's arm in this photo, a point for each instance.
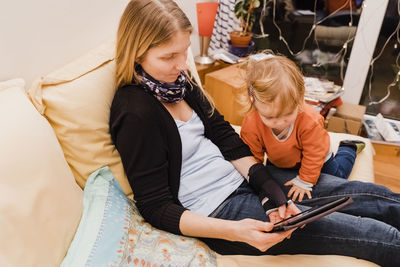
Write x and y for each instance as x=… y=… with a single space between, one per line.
x=273 y=198
x=250 y=231
x=219 y=131
x=243 y=165
x=139 y=137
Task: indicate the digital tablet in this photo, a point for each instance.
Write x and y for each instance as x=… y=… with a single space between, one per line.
x=311 y=214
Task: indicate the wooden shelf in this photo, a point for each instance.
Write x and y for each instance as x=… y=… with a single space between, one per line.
x=224 y=86
x=387 y=165
x=202 y=70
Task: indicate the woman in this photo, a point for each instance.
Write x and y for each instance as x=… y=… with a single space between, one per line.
x=189 y=170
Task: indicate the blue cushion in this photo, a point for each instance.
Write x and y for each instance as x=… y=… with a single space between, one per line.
x=112 y=232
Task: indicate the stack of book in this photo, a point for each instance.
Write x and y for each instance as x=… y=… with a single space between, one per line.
x=322 y=94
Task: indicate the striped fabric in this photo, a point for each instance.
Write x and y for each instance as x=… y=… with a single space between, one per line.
x=225 y=22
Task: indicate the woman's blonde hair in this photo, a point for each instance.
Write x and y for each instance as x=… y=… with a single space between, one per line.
x=143 y=25
x=275 y=79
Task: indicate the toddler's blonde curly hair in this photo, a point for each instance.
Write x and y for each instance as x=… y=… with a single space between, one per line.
x=276 y=80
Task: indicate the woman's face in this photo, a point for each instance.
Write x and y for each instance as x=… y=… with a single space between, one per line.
x=165 y=62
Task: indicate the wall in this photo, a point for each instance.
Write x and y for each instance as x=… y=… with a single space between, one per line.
x=363 y=49
x=37 y=37
x=189 y=7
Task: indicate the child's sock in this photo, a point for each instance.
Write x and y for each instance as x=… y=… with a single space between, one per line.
x=356 y=144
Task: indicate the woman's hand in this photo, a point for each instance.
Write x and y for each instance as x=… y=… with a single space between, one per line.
x=253 y=232
x=250 y=231
x=297 y=191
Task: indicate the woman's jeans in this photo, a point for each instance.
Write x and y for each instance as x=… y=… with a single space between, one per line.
x=342 y=163
x=367 y=229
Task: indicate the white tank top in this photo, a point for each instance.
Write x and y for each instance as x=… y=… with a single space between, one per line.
x=207 y=178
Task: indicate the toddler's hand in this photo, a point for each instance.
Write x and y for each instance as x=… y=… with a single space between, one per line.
x=296 y=191
x=283 y=212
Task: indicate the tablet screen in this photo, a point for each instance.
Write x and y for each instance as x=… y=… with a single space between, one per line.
x=311 y=214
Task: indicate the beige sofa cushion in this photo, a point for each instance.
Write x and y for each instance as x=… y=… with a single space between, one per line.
x=76 y=100
x=40 y=203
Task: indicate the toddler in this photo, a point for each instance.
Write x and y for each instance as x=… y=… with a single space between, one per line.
x=289 y=131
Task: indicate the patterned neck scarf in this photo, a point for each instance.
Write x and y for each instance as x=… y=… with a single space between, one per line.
x=164 y=92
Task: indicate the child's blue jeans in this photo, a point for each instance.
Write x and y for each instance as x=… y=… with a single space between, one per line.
x=342 y=163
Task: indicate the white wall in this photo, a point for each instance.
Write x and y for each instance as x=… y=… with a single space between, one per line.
x=38 y=36
x=363 y=49
x=189 y=7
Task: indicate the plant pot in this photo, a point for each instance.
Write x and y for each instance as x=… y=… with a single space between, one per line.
x=241 y=51
x=239 y=40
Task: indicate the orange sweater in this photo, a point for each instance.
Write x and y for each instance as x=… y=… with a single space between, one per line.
x=308 y=143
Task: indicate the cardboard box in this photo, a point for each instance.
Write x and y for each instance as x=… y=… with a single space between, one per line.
x=348 y=118
x=350 y=111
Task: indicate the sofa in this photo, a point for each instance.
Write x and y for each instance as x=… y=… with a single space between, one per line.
x=55 y=143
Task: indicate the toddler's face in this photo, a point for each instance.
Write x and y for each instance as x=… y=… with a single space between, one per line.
x=268 y=116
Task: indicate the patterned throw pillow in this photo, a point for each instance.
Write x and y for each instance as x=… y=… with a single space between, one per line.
x=113 y=233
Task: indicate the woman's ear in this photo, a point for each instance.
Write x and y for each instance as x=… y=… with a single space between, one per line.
x=139 y=59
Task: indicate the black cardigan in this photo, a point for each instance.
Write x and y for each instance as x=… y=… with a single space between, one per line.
x=148 y=140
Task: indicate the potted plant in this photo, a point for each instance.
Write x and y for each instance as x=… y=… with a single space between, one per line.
x=244 y=11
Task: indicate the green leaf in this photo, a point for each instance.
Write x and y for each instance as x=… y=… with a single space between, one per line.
x=241 y=10
x=239 y=6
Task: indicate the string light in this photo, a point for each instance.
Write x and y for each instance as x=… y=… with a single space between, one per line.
x=340 y=55
x=260 y=21
x=313 y=27
x=396 y=78
x=388 y=88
